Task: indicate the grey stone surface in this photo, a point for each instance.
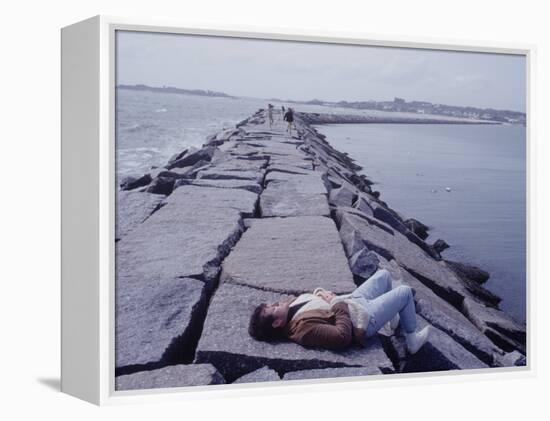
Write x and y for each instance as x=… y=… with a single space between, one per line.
x=151 y=314
x=213 y=173
x=161 y=185
x=468 y=271
x=439 y=353
x=444 y=316
x=133 y=208
x=342 y=197
x=171 y=376
x=131 y=182
x=226 y=343
x=264 y=374
x=290 y=255
x=311 y=183
x=391 y=244
x=417 y=227
x=364 y=263
x=278 y=200
x=249 y=185
x=188 y=237
x=328 y=373
x=499 y=327
x=191 y=158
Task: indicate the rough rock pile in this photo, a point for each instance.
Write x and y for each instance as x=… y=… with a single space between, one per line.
x=257 y=213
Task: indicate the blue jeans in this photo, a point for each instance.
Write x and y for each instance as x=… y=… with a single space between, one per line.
x=383 y=303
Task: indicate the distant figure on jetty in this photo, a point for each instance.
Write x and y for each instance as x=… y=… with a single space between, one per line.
x=270 y=114
x=282 y=112
x=289 y=117
x=325 y=320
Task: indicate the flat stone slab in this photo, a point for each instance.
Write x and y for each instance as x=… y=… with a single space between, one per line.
x=213 y=173
x=311 y=183
x=383 y=239
x=498 y=326
x=151 y=315
x=171 y=376
x=444 y=316
x=295 y=254
x=439 y=353
x=328 y=373
x=133 y=207
x=226 y=343
x=281 y=202
x=188 y=237
x=264 y=374
x=251 y=186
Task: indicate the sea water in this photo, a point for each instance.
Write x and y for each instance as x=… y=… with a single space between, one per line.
x=467 y=182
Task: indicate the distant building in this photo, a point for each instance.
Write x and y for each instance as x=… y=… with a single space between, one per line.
x=400 y=101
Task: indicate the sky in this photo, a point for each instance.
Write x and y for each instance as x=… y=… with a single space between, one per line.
x=331 y=72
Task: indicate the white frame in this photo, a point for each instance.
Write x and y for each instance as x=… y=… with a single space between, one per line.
x=88 y=211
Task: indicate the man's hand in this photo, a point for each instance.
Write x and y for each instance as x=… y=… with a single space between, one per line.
x=326 y=295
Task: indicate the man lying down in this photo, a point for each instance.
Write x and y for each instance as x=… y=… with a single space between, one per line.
x=330 y=321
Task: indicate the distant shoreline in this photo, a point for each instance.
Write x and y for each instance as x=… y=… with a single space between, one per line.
x=174 y=90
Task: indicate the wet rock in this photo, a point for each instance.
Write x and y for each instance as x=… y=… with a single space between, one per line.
x=130 y=183
x=295 y=254
x=133 y=208
x=264 y=374
x=417 y=227
x=465 y=271
x=328 y=373
x=498 y=326
x=204 y=154
x=161 y=185
x=391 y=244
x=171 y=376
x=512 y=359
x=226 y=343
x=342 y=197
x=440 y=245
x=364 y=263
x=180 y=155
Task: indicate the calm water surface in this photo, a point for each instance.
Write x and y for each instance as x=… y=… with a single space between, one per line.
x=483 y=215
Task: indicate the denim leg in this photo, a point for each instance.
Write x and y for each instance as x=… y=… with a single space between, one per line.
x=382 y=309
x=375 y=286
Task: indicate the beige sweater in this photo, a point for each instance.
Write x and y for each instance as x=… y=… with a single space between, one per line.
x=358 y=315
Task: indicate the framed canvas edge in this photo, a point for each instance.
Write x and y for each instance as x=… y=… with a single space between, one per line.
x=107 y=196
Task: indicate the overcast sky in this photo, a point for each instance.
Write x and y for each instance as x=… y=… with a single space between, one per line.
x=304 y=71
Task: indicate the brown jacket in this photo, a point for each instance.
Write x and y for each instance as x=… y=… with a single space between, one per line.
x=330 y=329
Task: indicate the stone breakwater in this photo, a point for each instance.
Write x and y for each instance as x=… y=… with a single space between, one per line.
x=322 y=118
x=256 y=213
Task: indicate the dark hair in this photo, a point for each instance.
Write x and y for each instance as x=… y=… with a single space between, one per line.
x=261 y=326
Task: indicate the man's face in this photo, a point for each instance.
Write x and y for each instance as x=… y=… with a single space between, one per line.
x=279 y=311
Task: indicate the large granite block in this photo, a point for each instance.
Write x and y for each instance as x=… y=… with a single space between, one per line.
x=133 y=207
x=290 y=255
x=171 y=376
x=328 y=373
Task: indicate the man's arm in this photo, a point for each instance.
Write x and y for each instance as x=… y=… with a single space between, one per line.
x=328 y=336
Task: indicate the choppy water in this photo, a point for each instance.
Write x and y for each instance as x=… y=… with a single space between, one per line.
x=483 y=217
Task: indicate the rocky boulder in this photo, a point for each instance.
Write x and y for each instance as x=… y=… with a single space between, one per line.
x=171 y=376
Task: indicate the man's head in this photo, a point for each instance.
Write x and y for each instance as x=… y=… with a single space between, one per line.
x=268 y=320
